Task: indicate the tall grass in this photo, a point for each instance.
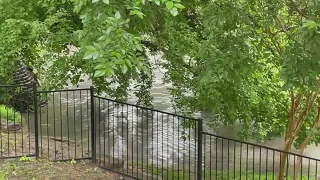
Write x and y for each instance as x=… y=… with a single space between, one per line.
x=7 y=113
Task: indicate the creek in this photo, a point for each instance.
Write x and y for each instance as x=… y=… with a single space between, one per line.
x=134 y=137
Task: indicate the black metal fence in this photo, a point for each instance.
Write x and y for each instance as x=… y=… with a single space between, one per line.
x=15 y=138
x=135 y=141
x=225 y=158
x=144 y=143
x=65 y=125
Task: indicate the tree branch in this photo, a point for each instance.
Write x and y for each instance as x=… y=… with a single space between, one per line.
x=310 y=100
x=297 y=9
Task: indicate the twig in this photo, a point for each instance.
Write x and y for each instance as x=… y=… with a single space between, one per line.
x=297 y=9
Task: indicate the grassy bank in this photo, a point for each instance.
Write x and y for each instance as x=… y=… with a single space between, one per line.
x=7 y=113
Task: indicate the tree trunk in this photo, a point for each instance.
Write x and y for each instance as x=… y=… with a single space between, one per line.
x=304 y=145
x=283 y=159
x=298 y=163
x=289 y=134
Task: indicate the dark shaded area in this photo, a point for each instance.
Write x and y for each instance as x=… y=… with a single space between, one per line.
x=20 y=97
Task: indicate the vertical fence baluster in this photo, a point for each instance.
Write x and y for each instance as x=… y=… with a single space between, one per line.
x=199 y=165
x=104 y=133
x=267 y=163
x=132 y=142
x=93 y=139
x=127 y=140
x=98 y=126
x=81 y=123
x=15 y=134
x=47 y=124
x=28 y=125
x=36 y=119
x=21 y=124
x=54 y=126
x=74 y=125
x=137 y=165
x=316 y=175
x=1 y=148
x=7 y=122
x=122 y=137
x=178 y=161
x=60 y=101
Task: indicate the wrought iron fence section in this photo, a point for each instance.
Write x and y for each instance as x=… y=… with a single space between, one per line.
x=135 y=141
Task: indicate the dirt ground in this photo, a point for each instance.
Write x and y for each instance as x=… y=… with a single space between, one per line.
x=21 y=143
x=30 y=169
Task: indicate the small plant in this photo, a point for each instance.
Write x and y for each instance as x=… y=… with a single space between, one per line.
x=73 y=162
x=10 y=114
x=24 y=159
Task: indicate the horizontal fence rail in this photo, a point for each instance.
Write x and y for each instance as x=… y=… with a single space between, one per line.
x=135 y=141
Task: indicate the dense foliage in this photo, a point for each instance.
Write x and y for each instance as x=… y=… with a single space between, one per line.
x=253 y=62
x=106 y=33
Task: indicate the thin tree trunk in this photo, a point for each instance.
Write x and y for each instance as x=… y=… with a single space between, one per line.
x=283 y=159
x=288 y=139
x=304 y=145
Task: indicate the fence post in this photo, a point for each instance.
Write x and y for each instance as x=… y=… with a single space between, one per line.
x=35 y=110
x=93 y=132
x=199 y=164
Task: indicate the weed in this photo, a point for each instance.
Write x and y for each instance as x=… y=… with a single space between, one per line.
x=73 y=162
x=24 y=159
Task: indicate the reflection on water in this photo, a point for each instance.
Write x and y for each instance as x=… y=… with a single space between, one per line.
x=149 y=136
x=138 y=136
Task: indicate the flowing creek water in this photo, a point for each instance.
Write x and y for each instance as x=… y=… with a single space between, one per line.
x=137 y=136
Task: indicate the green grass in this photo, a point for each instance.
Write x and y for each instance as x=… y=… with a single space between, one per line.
x=222 y=175
x=7 y=113
x=2 y=175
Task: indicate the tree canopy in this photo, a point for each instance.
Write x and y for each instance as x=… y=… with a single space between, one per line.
x=255 y=62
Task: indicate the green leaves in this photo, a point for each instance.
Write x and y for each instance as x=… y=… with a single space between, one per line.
x=106 y=1
x=174 y=11
x=104 y=70
x=157 y=2
x=117 y=15
x=169 y=5
x=173 y=7
x=237 y=59
x=91 y=53
x=99 y=73
x=179 y=6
